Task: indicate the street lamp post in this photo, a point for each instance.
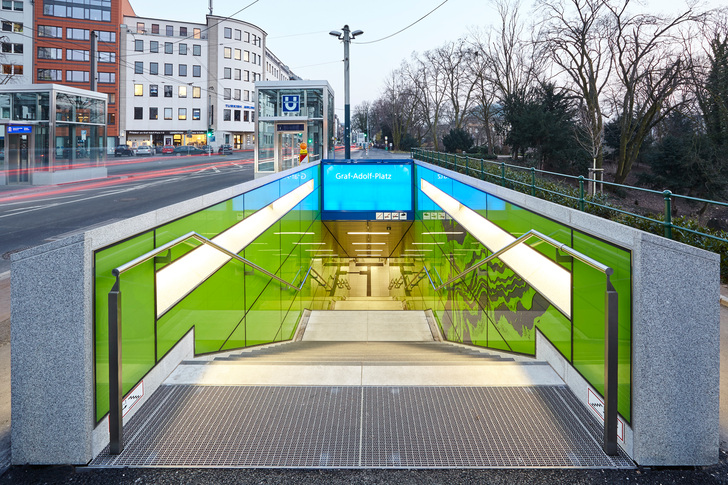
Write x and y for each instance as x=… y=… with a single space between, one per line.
x=346 y=36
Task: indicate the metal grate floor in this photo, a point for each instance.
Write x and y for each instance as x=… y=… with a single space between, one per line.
x=367 y=427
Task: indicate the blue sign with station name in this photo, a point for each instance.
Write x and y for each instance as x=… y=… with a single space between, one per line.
x=19 y=129
x=367 y=191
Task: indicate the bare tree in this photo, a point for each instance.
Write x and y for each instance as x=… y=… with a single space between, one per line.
x=650 y=63
x=428 y=81
x=575 y=35
x=453 y=61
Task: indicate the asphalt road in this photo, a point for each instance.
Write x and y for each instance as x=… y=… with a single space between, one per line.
x=30 y=216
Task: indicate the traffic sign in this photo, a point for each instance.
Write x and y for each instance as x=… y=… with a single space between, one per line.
x=291 y=103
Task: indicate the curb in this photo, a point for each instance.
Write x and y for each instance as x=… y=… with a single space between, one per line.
x=724 y=301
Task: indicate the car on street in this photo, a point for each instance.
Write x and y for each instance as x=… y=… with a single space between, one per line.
x=206 y=148
x=187 y=150
x=225 y=150
x=144 y=150
x=167 y=149
x=123 y=150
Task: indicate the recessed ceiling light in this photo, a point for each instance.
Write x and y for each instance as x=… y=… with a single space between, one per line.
x=368 y=233
x=369 y=244
x=379 y=250
x=446 y=232
x=303 y=233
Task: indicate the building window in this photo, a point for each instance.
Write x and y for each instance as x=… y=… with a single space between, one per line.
x=238 y=33
x=140 y=28
x=167 y=113
x=245 y=116
x=77 y=55
x=227 y=73
x=183 y=49
x=168 y=69
x=196 y=33
x=107 y=57
x=138 y=113
x=182 y=91
x=226 y=94
x=228 y=33
x=196 y=71
x=153 y=113
x=153 y=91
x=237 y=74
x=154 y=68
x=196 y=50
x=236 y=94
x=196 y=92
x=183 y=70
x=12 y=69
x=168 y=48
x=138 y=46
x=195 y=113
x=170 y=30
x=12 y=26
x=247 y=95
x=49 y=31
x=77 y=76
x=226 y=115
x=106 y=36
x=111 y=118
x=50 y=53
x=107 y=78
x=183 y=31
x=168 y=91
x=153 y=46
x=182 y=113
x=155 y=28
x=236 y=115
x=76 y=34
x=247 y=76
x=228 y=53
x=8 y=48
x=138 y=90
x=50 y=75
x=247 y=37
x=246 y=56
x=112 y=98
x=138 y=67
x=238 y=54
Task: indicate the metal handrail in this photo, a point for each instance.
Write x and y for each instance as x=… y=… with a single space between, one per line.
x=611 y=327
x=116 y=433
x=528 y=235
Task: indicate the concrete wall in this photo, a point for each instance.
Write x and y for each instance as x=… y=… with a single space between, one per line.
x=52 y=362
x=675 y=336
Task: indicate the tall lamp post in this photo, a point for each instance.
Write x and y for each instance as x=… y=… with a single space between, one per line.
x=346 y=36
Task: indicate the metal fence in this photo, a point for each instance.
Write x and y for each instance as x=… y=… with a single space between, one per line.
x=573 y=193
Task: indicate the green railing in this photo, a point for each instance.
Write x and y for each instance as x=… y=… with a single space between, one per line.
x=572 y=193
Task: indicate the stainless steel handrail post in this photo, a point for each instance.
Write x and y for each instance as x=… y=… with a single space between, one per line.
x=611 y=367
x=116 y=430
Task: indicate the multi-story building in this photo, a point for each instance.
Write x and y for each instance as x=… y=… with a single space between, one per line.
x=181 y=79
x=62 y=45
x=16 y=41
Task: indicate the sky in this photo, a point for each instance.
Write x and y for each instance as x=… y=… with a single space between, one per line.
x=298 y=32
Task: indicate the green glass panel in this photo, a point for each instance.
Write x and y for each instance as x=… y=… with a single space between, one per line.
x=263 y=320
x=137 y=311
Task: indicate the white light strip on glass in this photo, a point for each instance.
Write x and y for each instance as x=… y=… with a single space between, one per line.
x=419 y=250
x=369 y=244
x=368 y=233
x=430 y=243
x=177 y=279
x=545 y=276
x=309 y=244
x=445 y=232
x=379 y=250
x=301 y=233
x=318 y=250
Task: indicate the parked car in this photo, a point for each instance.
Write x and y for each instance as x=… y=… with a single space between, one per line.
x=187 y=150
x=225 y=150
x=207 y=149
x=144 y=150
x=167 y=149
x=122 y=150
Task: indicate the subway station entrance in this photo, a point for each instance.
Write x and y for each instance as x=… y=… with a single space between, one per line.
x=359 y=314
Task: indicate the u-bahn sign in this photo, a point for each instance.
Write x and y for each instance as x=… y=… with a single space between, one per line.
x=291 y=103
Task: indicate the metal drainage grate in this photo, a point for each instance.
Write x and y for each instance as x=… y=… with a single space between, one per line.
x=368 y=427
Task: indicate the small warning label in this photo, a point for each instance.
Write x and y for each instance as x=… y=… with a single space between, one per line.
x=597 y=405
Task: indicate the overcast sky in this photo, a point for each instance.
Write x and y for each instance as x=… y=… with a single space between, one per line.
x=298 y=32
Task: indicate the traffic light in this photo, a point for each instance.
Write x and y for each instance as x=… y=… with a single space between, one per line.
x=310 y=141
x=210 y=132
